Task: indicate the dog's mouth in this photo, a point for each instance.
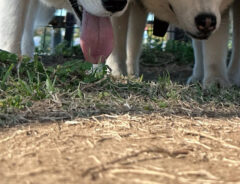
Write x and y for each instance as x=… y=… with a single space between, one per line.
x=96 y=38
x=199 y=36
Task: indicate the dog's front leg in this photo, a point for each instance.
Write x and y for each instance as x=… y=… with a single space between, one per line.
x=234 y=66
x=12 y=19
x=27 y=46
x=137 y=22
x=198 y=71
x=117 y=60
x=215 y=55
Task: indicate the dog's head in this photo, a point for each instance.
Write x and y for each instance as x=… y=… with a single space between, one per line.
x=104 y=7
x=199 y=18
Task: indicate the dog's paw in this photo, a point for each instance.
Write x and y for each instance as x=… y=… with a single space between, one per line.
x=234 y=78
x=116 y=68
x=116 y=71
x=133 y=72
x=221 y=82
x=132 y=68
x=194 y=79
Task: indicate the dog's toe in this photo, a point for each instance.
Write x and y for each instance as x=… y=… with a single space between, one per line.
x=194 y=79
x=234 y=79
x=220 y=82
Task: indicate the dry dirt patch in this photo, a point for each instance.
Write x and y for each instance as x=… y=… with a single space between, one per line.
x=145 y=149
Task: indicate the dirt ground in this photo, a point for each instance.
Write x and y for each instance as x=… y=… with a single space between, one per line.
x=147 y=149
x=137 y=148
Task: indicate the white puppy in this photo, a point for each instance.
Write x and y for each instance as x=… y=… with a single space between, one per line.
x=198 y=18
x=16 y=14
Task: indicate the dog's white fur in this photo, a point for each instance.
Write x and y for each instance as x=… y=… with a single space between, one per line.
x=213 y=70
x=210 y=57
x=234 y=66
x=17 y=14
x=128 y=29
x=38 y=15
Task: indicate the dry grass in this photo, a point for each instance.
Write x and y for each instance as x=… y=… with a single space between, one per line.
x=123 y=149
x=120 y=96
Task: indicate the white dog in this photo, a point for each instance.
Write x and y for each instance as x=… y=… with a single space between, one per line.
x=199 y=18
x=17 y=14
x=214 y=70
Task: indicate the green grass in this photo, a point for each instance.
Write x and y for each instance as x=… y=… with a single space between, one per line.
x=23 y=81
x=175 y=51
x=30 y=91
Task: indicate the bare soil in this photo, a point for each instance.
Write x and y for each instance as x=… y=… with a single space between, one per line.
x=144 y=148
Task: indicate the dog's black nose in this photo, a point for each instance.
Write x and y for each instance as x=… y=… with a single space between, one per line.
x=114 y=5
x=206 y=23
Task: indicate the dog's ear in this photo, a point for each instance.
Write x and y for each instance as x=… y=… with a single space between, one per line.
x=160 y=27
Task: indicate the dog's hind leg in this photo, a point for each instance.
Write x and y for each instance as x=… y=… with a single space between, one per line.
x=38 y=15
x=198 y=71
x=116 y=61
x=215 y=56
x=137 y=22
x=12 y=16
x=234 y=66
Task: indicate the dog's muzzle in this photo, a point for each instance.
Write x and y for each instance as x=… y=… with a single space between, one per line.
x=114 y=6
x=206 y=23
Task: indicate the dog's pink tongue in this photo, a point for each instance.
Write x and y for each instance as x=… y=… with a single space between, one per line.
x=96 y=38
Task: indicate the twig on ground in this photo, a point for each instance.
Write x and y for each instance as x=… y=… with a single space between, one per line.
x=143 y=172
x=104 y=167
x=225 y=144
